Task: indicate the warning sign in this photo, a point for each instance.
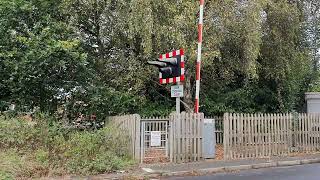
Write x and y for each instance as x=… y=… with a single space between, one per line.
x=155 y=138
x=177 y=91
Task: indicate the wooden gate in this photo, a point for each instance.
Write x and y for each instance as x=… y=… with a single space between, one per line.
x=154 y=151
x=186 y=137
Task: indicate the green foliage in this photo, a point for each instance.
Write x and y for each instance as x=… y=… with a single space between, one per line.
x=264 y=63
x=258 y=55
x=152 y=109
x=40 y=149
x=42 y=156
x=18 y=134
x=15 y=164
x=39 y=54
x=5 y=175
x=9 y=164
x=92 y=152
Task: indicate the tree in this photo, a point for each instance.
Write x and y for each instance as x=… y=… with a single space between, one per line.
x=257 y=55
x=39 y=53
x=284 y=58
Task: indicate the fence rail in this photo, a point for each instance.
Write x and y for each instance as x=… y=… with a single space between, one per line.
x=266 y=135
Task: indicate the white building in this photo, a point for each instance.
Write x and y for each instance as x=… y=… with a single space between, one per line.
x=313 y=102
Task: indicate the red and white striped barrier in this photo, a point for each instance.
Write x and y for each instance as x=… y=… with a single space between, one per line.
x=198 y=67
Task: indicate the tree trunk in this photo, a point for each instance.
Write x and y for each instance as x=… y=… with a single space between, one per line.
x=188 y=100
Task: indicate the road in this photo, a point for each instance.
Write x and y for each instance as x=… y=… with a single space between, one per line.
x=305 y=172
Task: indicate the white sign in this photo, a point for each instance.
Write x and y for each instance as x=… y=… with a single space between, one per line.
x=155 y=138
x=177 y=91
x=12 y=107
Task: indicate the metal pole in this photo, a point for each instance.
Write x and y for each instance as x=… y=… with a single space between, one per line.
x=200 y=29
x=178 y=102
x=178 y=105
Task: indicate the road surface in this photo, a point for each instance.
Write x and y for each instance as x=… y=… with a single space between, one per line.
x=303 y=172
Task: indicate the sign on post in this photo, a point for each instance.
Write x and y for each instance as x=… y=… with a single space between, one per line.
x=155 y=138
x=177 y=91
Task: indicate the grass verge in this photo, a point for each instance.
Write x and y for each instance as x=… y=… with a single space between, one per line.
x=40 y=149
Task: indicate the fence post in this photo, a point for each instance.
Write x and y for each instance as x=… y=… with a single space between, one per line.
x=294 y=131
x=171 y=138
x=225 y=136
x=182 y=119
x=317 y=132
x=201 y=134
x=137 y=121
x=269 y=134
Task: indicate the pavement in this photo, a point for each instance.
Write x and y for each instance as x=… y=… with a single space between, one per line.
x=221 y=166
x=302 y=172
x=209 y=167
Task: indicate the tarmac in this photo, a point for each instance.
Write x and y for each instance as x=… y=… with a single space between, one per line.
x=158 y=171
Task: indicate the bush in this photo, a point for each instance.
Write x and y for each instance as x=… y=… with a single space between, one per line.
x=9 y=165
x=15 y=164
x=86 y=152
x=42 y=149
x=16 y=133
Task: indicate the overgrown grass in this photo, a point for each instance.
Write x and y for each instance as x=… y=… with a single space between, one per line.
x=30 y=150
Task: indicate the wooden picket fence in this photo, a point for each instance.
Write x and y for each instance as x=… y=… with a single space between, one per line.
x=181 y=136
x=130 y=125
x=307 y=133
x=266 y=135
x=186 y=137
